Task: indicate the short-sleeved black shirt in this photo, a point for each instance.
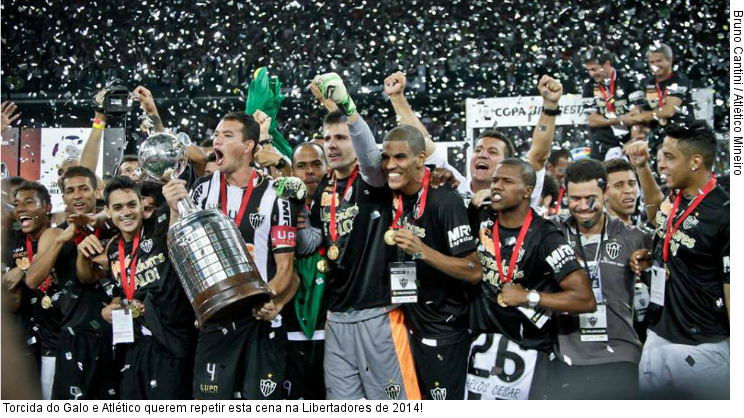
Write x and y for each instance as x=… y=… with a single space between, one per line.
x=45 y=323
x=442 y=309
x=694 y=309
x=678 y=85
x=168 y=316
x=80 y=303
x=603 y=138
x=546 y=258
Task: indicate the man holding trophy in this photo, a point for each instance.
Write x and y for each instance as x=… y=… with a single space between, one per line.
x=244 y=359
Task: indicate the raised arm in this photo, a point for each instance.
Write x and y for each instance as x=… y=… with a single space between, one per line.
x=92 y=148
x=542 y=137
x=395 y=86
x=639 y=156
x=50 y=245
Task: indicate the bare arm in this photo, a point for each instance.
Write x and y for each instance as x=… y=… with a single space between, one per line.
x=576 y=297
x=198 y=158
x=50 y=245
x=283 y=286
x=639 y=156
x=395 y=86
x=542 y=137
x=92 y=148
x=667 y=111
x=91 y=253
x=596 y=120
x=467 y=268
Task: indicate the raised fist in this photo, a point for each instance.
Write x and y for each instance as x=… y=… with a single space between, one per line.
x=395 y=84
x=550 y=89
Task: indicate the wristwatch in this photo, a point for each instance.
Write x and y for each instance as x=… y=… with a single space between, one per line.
x=282 y=162
x=533 y=298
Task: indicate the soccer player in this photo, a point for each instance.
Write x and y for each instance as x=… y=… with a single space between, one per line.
x=558 y=162
x=621 y=197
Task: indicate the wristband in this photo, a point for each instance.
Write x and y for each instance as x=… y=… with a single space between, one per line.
x=99 y=124
x=264 y=141
x=551 y=112
x=282 y=162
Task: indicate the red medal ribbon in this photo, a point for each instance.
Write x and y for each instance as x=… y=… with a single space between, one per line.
x=696 y=201
x=517 y=247
x=30 y=251
x=81 y=233
x=334 y=233
x=609 y=100
x=556 y=209
x=421 y=202
x=662 y=96
x=129 y=283
x=246 y=197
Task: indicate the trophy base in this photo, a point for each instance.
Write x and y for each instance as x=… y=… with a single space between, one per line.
x=230 y=300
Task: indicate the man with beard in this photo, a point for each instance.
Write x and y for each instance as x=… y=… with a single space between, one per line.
x=40 y=304
x=688 y=337
x=529 y=272
x=304 y=315
x=367 y=354
x=492 y=146
x=599 y=351
x=85 y=368
x=149 y=301
x=622 y=190
x=245 y=358
x=606 y=97
x=435 y=256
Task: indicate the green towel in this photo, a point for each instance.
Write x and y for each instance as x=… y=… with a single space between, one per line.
x=309 y=297
x=265 y=94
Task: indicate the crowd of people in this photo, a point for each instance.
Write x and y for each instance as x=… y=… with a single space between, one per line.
x=532 y=276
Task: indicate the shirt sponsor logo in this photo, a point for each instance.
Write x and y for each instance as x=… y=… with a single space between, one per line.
x=560 y=256
x=459 y=235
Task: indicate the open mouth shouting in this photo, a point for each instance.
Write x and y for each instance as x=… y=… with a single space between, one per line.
x=26 y=221
x=220 y=156
x=481 y=168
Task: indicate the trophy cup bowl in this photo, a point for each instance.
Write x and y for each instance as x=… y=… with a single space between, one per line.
x=205 y=247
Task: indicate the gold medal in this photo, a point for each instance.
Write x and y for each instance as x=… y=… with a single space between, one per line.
x=46 y=302
x=662 y=121
x=136 y=312
x=196 y=323
x=390 y=237
x=323 y=266
x=500 y=301
x=333 y=252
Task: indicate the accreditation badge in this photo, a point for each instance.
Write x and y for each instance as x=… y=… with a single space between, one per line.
x=123 y=326
x=403 y=284
x=658 y=284
x=594 y=325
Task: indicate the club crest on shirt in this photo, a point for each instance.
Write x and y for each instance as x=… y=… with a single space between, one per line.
x=146 y=245
x=392 y=391
x=439 y=394
x=256 y=220
x=690 y=222
x=267 y=386
x=613 y=249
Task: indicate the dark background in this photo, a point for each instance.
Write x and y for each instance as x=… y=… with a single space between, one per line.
x=197 y=56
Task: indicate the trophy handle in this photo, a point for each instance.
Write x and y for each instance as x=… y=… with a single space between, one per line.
x=185 y=207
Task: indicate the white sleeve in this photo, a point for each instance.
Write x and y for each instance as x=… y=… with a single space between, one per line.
x=439 y=159
x=535 y=198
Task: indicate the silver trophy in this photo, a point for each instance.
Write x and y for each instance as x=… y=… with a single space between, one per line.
x=205 y=246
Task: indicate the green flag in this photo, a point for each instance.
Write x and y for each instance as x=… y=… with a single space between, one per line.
x=265 y=94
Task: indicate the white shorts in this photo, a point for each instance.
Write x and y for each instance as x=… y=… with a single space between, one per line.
x=679 y=370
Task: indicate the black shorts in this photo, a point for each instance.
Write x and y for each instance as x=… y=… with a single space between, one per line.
x=442 y=369
x=149 y=374
x=244 y=361
x=304 y=377
x=602 y=381
x=86 y=368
